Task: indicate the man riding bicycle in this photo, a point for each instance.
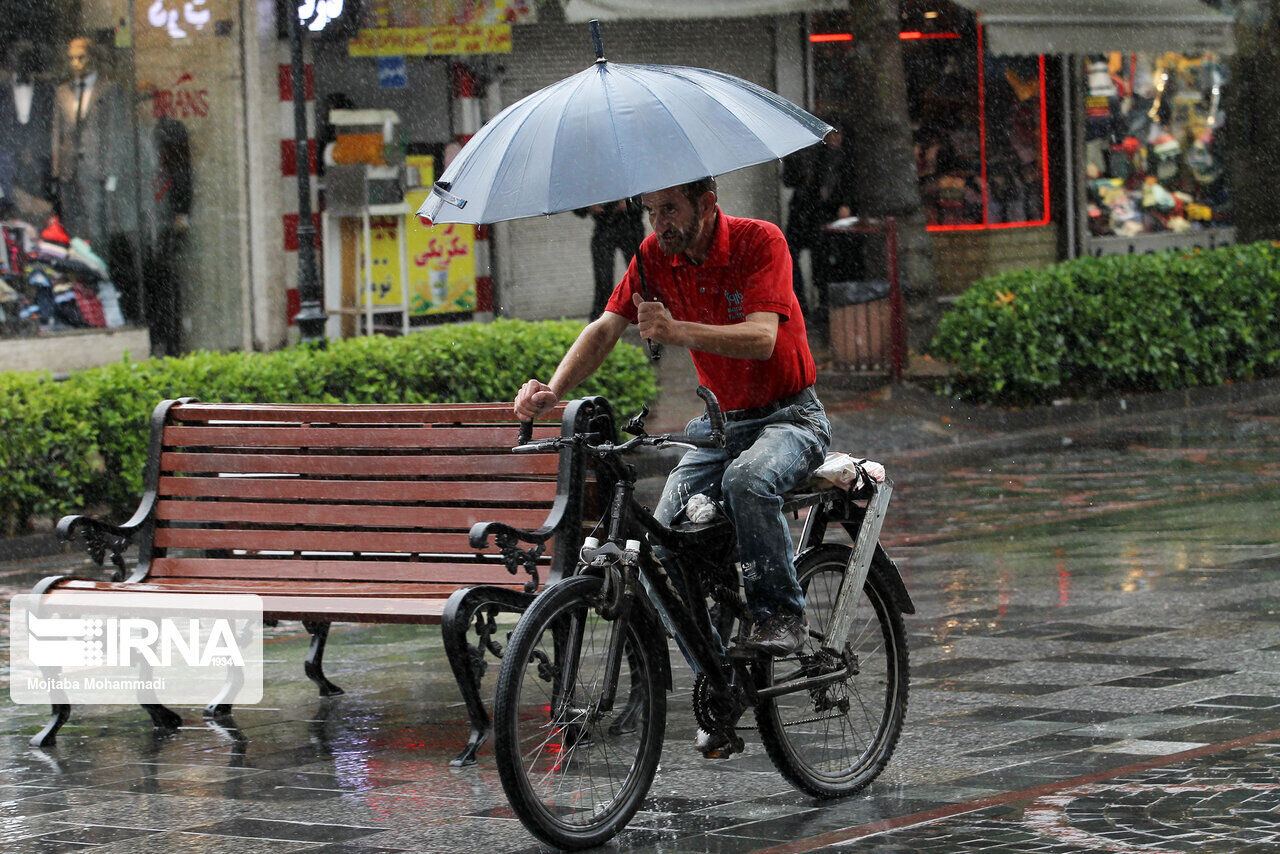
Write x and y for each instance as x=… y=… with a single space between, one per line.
x=723 y=289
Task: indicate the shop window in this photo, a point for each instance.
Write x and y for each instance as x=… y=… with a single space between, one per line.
x=1153 y=131
x=979 y=125
x=978 y=120
x=69 y=182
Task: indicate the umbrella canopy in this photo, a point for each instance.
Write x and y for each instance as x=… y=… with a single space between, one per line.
x=611 y=132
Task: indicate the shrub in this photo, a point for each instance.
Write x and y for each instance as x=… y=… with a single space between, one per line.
x=83 y=442
x=1117 y=324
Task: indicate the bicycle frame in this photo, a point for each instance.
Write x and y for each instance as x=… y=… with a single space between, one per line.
x=692 y=626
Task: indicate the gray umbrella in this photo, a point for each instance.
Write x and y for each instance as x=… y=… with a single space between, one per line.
x=612 y=132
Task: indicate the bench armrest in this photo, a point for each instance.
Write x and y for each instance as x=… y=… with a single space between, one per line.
x=480 y=532
x=507 y=538
x=100 y=538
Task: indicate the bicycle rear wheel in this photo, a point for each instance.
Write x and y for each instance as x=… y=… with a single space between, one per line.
x=834 y=740
x=574 y=774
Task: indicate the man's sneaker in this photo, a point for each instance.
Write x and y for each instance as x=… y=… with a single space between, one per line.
x=779 y=635
x=715 y=745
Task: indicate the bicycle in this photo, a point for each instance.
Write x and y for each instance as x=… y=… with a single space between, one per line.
x=580 y=710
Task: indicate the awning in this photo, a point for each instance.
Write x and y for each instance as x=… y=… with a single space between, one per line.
x=1102 y=26
x=576 y=11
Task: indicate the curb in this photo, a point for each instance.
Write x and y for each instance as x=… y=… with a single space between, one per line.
x=1092 y=413
x=1025 y=430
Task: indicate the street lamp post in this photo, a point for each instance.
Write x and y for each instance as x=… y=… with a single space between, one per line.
x=311 y=317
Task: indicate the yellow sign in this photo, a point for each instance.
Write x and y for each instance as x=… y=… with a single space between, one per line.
x=425 y=166
x=442 y=263
x=432 y=41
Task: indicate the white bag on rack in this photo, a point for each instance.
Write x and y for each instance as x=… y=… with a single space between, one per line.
x=846 y=472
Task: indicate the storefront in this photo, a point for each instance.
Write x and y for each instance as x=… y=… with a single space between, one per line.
x=1042 y=134
x=122 y=163
x=395 y=97
x=1145 y=132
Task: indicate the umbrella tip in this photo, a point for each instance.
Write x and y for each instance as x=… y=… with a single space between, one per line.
x=597 y=40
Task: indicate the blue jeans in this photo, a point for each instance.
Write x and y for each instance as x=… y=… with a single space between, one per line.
x=762 y=459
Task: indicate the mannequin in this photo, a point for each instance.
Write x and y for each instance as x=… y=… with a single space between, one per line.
x=95 y=167
x=26 y=123
x=92 y=154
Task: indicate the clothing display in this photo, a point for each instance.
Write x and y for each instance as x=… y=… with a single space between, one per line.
x=26 y=128
x=1154 y=143
x=52 y=282
x=978 y=154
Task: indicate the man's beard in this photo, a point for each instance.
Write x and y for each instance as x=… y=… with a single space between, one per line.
x=680 y=239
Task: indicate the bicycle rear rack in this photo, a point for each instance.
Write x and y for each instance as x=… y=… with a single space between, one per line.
x=864 y=549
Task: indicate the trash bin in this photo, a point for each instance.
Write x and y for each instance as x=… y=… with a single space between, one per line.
x=861 y=325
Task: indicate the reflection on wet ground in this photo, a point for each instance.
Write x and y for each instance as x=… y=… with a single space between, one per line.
x=1095 y=667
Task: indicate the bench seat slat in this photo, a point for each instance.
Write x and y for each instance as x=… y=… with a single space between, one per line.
x=337 y=609
x=355 y=571
x=404 y=413
x=477 y=436
x=396 y=542
x=344 y=515
x=284 y=587
x=489 y=492
x=357 y=465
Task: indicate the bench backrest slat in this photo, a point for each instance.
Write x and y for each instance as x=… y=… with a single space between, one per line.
x=311 y=570
x=478 y=465
x=340 y=413
x=342 y=515
x=488 y=492
x=439 y=437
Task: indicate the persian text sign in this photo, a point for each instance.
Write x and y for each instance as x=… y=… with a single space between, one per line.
x=120 y=647
x=432 y=41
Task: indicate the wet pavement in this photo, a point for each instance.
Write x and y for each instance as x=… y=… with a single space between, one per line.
x=1095 y=667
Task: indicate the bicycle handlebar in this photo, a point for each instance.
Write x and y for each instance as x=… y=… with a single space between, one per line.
x=714 y=441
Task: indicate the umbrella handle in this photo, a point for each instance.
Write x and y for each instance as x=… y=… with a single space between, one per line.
x=653 y=350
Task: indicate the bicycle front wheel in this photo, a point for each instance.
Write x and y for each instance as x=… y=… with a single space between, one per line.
x=834 y=740
x=575 y=772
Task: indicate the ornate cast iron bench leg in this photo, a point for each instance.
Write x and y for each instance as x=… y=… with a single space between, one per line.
x=467 y=660
x=162 y=716
x=48 y=736
x=314 y=664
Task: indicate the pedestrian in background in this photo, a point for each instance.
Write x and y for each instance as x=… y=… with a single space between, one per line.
x=617 y=227
x=820 y=178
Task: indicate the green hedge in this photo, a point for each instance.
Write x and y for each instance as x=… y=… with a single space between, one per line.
x=82 y=442
x=1117 y=324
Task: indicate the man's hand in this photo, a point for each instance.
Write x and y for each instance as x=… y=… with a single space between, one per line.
x=656 y=323
x=535 y=397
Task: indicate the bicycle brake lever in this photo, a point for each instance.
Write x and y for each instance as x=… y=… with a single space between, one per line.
x=635 y=426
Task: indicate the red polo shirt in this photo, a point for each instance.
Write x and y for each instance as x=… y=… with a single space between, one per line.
x=748 y=269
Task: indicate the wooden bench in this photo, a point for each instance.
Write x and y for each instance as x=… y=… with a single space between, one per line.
x=349 y=513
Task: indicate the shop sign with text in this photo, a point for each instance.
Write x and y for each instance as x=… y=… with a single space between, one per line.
x=432 y=41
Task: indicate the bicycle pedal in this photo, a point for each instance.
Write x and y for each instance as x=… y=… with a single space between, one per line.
x=722 y=748
x=745 y=653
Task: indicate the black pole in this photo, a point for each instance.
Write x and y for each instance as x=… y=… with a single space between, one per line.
x=311 y=317
x=597 y=40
